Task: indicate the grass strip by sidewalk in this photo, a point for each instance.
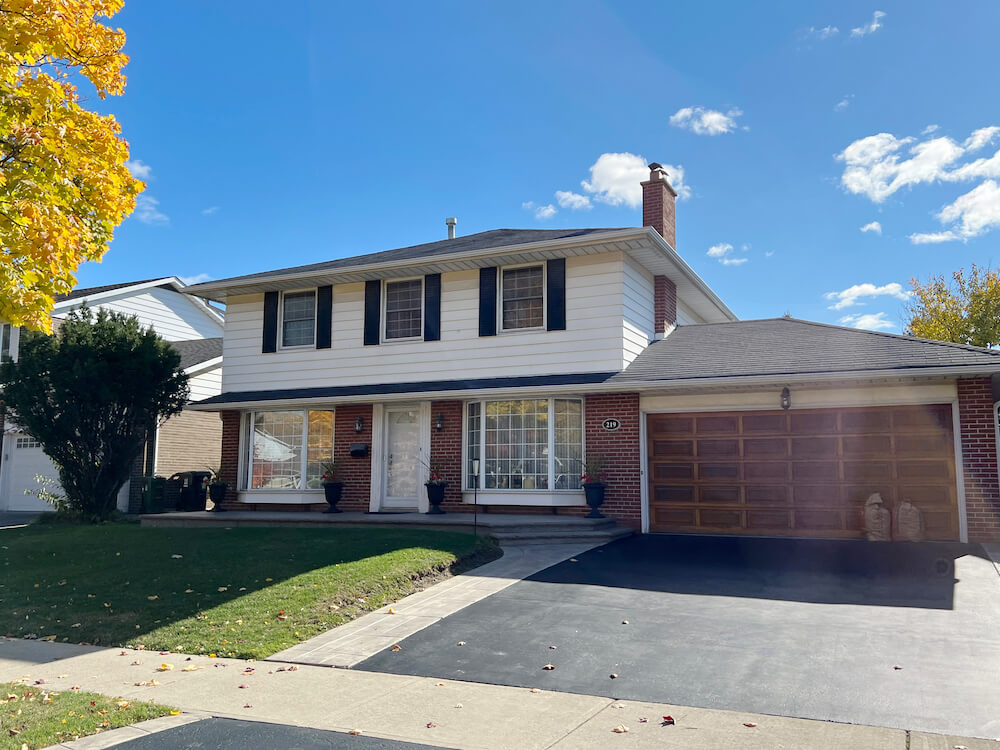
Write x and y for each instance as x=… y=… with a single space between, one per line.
x=38 y=716
x=239 y=592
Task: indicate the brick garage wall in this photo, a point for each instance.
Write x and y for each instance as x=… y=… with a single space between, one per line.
x=979 y=458
x=623 y=470
x=190 y=441
x=446 y=451
x=356 y=473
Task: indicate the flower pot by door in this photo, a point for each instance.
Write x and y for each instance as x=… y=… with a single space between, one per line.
x=217 y=492
x=333 y=491
x=435 y=496
x=595 y=498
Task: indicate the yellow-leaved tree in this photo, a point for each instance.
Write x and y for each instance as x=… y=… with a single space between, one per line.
x=966 y=311
x=64 y=185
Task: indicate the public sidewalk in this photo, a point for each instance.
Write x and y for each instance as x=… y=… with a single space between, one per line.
x=429 y=711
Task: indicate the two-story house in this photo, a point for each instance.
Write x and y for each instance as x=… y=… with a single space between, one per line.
x=186 y=442
x=520 y=352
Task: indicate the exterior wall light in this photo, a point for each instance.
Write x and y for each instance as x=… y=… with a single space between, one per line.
x=786 y=398
x=439 y=423
x=359 y=425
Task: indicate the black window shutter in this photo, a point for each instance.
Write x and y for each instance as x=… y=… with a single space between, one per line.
x=373 y=311
x=432 y=307
x=270 y=343
x=488 y=301
x=555 y=294
x=324 y=317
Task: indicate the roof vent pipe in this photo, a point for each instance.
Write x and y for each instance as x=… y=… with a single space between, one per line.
x=451 y=221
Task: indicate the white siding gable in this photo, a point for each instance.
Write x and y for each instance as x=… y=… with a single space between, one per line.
x=205 y=384
x=174 y=316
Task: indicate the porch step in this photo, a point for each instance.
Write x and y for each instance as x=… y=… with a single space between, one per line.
x=509 y=537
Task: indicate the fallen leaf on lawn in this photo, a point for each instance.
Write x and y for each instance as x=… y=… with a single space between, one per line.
x=750 y=724
x=668 y=721
x=355 y=732
x=431 y=724
x=175 y=713
x=188 y=591
x=153 y=598
x=268 y=579
x=223 y=588
x=244 y=687
x=549 y=667
x=397 y=647
x=282 y=617
x=164 y=667
x=620 y=729
x=48 y=638
x=176 y=557
x=76 y=625
x=122 y=704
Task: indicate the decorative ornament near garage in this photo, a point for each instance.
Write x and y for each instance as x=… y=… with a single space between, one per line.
x=611 y=424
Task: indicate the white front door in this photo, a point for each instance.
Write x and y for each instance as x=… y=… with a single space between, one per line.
x=402 y=458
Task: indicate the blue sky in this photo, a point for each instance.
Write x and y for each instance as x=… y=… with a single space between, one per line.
x=274 y=135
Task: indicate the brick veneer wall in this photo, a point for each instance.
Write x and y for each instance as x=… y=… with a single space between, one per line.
x=446 y=451
x=623 y=471
x=979 y=458
x=664 y=304
x=356 y=473
x=230 y=456
x=189 y=441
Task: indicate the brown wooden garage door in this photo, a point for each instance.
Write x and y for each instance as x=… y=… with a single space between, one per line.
x=800 y=472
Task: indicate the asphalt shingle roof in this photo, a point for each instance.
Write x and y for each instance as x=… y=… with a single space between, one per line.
x=468 y=243
x=788 y=346
x=87 y=291
x=195 y=351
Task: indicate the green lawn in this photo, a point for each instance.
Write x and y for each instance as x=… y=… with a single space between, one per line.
x=40 y=715
x=244 y=592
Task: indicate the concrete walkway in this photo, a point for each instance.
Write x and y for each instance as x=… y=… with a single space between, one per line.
x=428 y=711
x=355 y=641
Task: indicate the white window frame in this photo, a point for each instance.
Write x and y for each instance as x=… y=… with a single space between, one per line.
x=281 y=319
x=551 y=438
x=246 y=454
x=545 y=301
x=384 y=312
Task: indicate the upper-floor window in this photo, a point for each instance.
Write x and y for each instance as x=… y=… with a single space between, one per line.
x=522 y=295
x=5 y=334
x=404 y=306
x=298 y=318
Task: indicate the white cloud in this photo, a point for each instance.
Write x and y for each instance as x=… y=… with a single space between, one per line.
x=853 y=294
x=873 y=167
x=139 y=169
x=872 y=226
x=869 y=321
x=615 y=179
x=822 y=33
x=147 y=211
x=541 y=212
x=843 y=103
x=971 y=215
x=572 y=201
x=196 y=279
x=929 y=238
x=210 y=210
x=704 y=121
x=869 y=28
x=981 y=137
x=769 y=253
x=723 y=253
x=930 y=129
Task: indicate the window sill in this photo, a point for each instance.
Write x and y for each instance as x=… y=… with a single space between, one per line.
x=406 y=340
x=281 y=497
x=541 y=498
x=516 y=331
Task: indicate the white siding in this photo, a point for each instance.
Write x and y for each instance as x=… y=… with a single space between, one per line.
x=174 y=316
x=639 y=325
x=686 y=317
x=591 y=343
x=206 y=384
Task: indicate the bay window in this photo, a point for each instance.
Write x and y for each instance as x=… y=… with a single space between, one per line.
x=526 y=444
x=288 y=448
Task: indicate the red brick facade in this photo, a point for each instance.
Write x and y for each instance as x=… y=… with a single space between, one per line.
x=979 y=458
x=623 y=471
x=664 y=304
x=446 y=451
x=231 y=456
x=356 y=473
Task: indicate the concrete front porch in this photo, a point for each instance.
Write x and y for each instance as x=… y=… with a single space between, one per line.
x=508 y=528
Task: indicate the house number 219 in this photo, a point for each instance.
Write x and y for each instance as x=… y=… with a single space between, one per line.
x=611 y=424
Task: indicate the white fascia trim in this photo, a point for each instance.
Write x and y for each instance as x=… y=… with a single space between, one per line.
x=634 y=387
x=207 y=288
x=123 y=291
x=208 y=364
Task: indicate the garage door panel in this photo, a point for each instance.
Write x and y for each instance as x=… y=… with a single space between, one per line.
x=801 y=472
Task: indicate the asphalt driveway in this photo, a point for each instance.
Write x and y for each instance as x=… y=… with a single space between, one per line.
x=895 y=635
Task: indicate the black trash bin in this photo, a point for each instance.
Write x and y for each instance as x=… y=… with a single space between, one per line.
x=193 y=493
x=153 y=494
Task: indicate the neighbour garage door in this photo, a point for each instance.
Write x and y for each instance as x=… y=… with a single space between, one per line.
x=800 y=472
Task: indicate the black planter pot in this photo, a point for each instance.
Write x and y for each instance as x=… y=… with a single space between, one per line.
x=435 y=496
x=595 y=498
x=217 y=492
x=333 y=491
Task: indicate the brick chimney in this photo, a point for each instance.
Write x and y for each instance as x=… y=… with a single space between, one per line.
x=658 y=204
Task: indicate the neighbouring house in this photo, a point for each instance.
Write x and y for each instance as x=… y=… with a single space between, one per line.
x=523 y=351
x=188 y=441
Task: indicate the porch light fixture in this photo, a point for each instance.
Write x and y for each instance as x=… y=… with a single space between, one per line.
x=359 y=425
x=786 y=398
x=439 y=423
